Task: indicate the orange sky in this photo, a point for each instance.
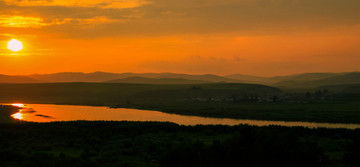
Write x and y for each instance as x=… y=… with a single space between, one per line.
x=258 y=37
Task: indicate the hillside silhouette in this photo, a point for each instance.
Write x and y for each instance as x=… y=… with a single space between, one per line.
x=104 y=76
x=17 y=79
x=320 y=79
x=295 y=81
x=143 y=80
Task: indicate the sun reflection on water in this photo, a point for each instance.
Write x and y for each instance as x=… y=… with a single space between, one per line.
x=18 y=105
x=17 y=116
x=51 y=113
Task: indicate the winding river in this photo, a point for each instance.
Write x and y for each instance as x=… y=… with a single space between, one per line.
x=51 y=113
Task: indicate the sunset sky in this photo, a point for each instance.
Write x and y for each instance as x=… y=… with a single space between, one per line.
x=257 y=37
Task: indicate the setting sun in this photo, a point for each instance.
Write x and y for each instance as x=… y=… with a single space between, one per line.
x=15 y=45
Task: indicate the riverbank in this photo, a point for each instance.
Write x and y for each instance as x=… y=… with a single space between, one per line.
x=323 y=112
x=55 y=113
x=5 y=113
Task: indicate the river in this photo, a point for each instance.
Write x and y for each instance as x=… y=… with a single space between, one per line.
x=51 y=113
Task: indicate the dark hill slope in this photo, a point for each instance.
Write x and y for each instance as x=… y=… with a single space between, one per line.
x=17 y=79
x=114 y=93
x=143 y=80
x=103 y=77
x=332 y=79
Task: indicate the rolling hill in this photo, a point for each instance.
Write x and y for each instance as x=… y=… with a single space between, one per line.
x=205 y=77
x=17 y=79
x=306 y=80
x=297 y=78
x=248 y=78
x=282 y=80
x=75 y=77
x=104 y=77
x=349 y=78
x=111 y=93
x=320 y=79
x=347 y=88
x=143 y=80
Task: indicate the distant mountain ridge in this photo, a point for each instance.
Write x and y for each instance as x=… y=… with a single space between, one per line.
x=143 y=80
x=17 y=79
x=319 y=79
x=75 y=77
x=104 y=77
x=248 y=78
x=305 y=80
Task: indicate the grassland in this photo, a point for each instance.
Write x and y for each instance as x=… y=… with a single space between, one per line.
x=153 y=144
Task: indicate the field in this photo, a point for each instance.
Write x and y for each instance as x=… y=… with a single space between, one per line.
x=166 y=144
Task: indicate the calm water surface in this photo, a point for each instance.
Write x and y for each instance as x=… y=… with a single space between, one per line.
x=50 y=113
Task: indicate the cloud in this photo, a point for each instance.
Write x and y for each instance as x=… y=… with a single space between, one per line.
x=33 y=22
x=168 y=17
x=21 y=22
x=82 y=3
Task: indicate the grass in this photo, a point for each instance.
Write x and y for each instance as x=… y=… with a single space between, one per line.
x=100 y=143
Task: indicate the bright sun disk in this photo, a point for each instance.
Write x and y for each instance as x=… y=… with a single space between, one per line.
x=15 y=45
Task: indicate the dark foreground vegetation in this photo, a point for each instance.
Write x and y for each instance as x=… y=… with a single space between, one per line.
x=246 y=101
x=5 y=113
x=103 y=143
x=167 y=144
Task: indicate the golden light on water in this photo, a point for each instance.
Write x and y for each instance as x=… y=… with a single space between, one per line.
x=15 y=45
x=17 y=116
x=18 y=105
